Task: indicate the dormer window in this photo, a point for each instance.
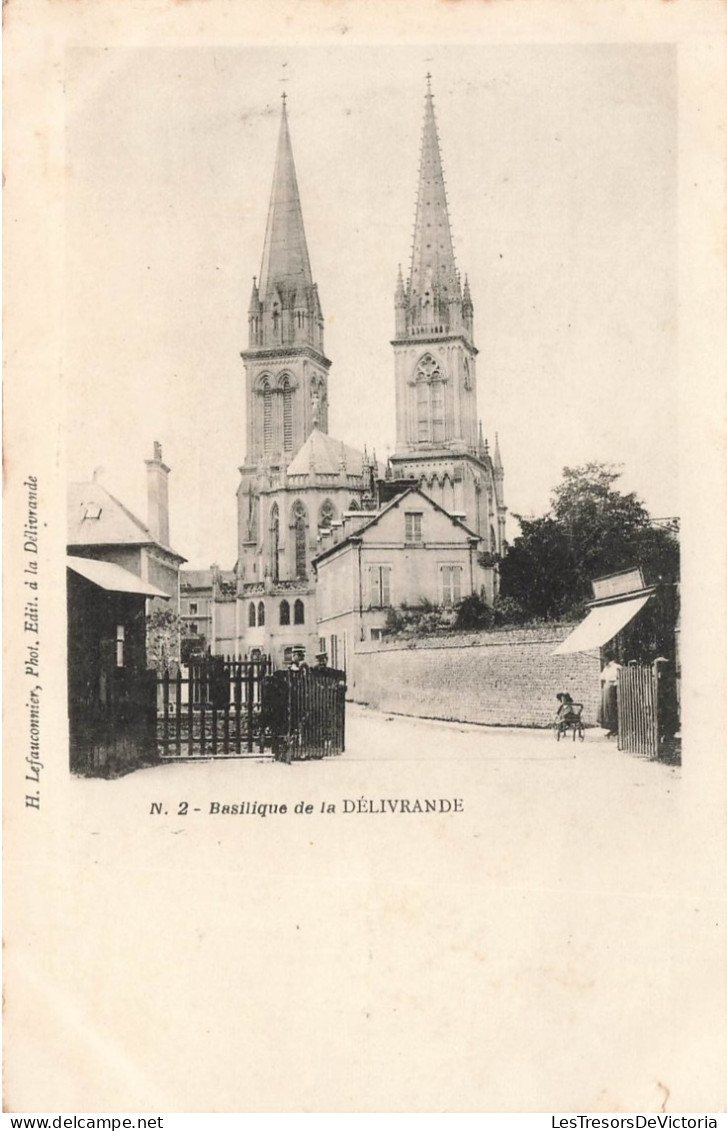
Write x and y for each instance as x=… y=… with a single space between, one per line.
x=92 y=511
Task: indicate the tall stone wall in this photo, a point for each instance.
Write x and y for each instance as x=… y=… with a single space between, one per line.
x=503 y=678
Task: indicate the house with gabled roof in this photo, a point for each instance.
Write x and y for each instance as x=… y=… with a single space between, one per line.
x=119 y=569
x=100 y=526
x=410 y=551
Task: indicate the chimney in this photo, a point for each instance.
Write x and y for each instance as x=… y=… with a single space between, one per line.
x=157 y=488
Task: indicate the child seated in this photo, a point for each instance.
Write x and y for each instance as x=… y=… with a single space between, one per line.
x=566 y=712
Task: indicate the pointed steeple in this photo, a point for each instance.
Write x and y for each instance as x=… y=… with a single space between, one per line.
x=286 y=265
x=290 y=310
x=400 y=293
x=481 y=444
x=400 y=304
x=254 y=313
x=286 y=370
x=499 y=476
x=497 y=461
x=434 y=293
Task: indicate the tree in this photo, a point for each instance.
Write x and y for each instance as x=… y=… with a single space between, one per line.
x=592 y=529
x=163 y=632
x=539 y=571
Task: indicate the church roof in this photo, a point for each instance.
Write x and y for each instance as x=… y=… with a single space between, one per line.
x=432 y=260
x=96 y=518
x=322 y=455
x=285 y=264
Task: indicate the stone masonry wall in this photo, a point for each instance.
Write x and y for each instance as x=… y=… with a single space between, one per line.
x=503 y=678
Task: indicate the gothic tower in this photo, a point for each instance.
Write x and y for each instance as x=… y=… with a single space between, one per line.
x=285 y=367
x=438 y=436
x=296 y=481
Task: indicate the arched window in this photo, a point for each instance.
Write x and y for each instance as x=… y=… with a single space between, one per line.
x=287 y=415
x=276 y=319
x=299 y=525
x=267 y=417
x=261 y=613
x=327 y=513
x=299 y=612
x=284 y=612
x=275 y=542
x=430 y=407
x=251 y=615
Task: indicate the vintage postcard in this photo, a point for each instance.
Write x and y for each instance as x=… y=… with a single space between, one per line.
x=365 y=501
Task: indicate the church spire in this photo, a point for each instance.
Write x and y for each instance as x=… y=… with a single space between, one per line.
x=285 y=254
x=434 y=292
x=290 y=311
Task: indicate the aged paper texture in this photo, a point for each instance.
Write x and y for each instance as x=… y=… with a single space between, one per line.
x=553 y=937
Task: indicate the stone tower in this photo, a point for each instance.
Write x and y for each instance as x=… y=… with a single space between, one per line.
x=297 y=481
x=285 y=368
x=438 y=434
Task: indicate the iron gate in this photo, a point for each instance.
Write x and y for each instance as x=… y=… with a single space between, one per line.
x=211 y=709
x=304 y=712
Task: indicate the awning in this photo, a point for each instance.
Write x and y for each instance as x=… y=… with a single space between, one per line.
x=601 y=625
x=112 y=577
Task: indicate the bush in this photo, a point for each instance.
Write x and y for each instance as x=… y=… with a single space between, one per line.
x=474 y=612
x=422 y=619
x=394 y=622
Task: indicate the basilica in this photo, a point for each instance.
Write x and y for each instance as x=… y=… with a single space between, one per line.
x=302 y=491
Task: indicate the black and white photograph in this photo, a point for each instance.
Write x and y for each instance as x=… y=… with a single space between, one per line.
x=366 y=526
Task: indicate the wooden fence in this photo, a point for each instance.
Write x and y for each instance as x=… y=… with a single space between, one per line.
x=638 y=710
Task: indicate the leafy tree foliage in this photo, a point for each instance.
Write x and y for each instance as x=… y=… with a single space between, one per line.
x=163 y=630
x=592 y=529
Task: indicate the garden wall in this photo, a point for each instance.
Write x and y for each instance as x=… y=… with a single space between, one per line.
x=506 y=677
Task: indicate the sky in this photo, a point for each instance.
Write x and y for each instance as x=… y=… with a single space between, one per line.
x=560 y=164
